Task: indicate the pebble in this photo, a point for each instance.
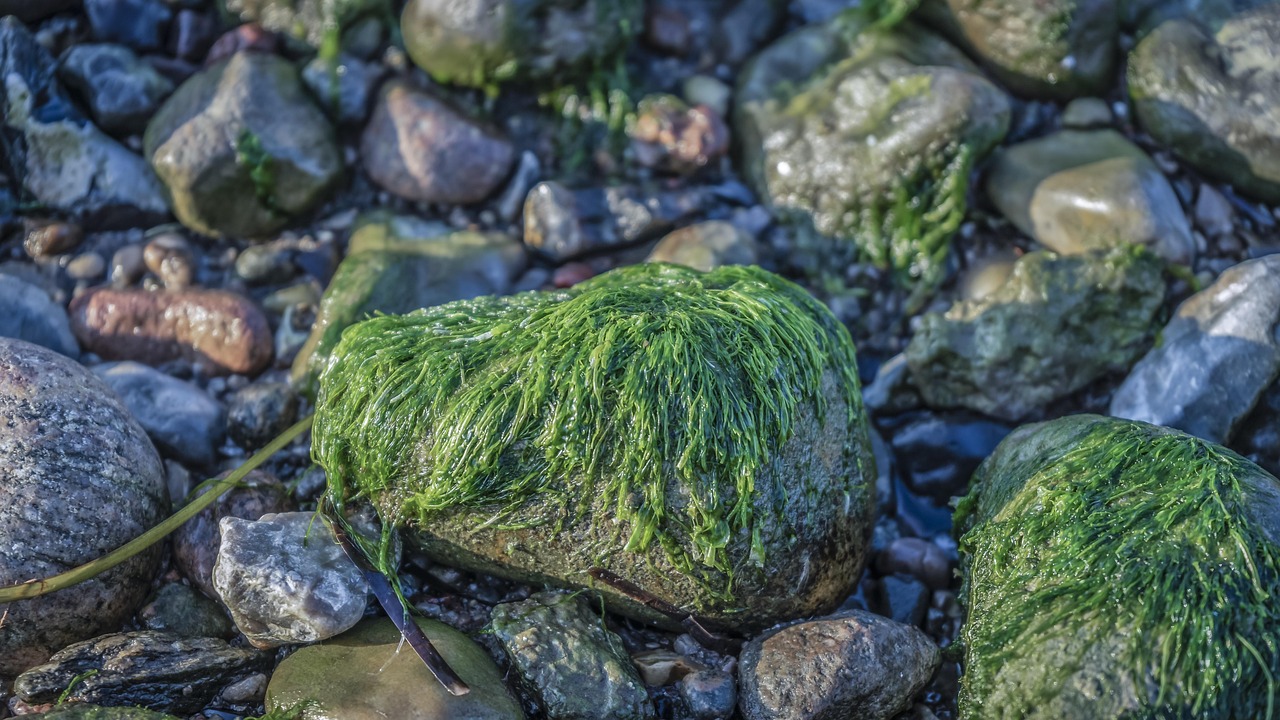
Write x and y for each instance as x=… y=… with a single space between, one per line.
x=30 y=315
x=707 y=245
x=192 y=34
x=258 y=413
x=709 y=91
x=666 y=28
x=285 y=579
x=80 y=479
x=270 y=262
x=1086 y=113
x=45 y=239
x=419 y=147
x=1214 y=214
x=563 y=224
x=181 y=609
x=343 y=86
x=139 y=24
x=86 y=266
x=223 y=331
x=851 y=665
x=902 y=598
x=127 y=265
x=120 y=89
x=709 y=694
x=669 y=136
x=157 y=670
x=169 y=256
x=939 y=452
x=918 y=558
x=180 y=418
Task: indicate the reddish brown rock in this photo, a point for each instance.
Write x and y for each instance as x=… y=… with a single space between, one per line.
x=224 y=331
x=670 y=136
x=421 y=148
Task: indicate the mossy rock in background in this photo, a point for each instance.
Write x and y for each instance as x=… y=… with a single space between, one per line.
x=868 y=134
x=699 y=435
x=485 y=42
x=1115 y=569
x=316 y=22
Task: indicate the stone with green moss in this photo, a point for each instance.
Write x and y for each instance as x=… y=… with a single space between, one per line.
x=242 y=149
x=1115 y=569
x=868 y=133
x=1057 y=324
x=84 y=711
x=483 y=43
x=700 y=435
x=318 y=23
x=1049 y=48
x=398 y=264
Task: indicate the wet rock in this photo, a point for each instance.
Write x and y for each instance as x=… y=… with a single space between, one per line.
x=86 y=267
x=1057 y=324
x=1216 y=356
x=51 y=238
x=1089 y=544
x=30 y=315
x=569 y=663
x=127 y=265
x=709 y=694
x=78 y=478
x=223 y=331
x=1213 y=99
x=169 y=256
x=365 y=674
x=1056 y=49
x=938 y=454
x=890 y=114
x=56 y=156
x=1214 y=214
x=271 y=262
x=286 y=579
x=397 y=264
x=139 y=24
x=917 y=558
x=572 y=519
x=182 y=610
x=668 y=135
x=84 y=711
x=313 y=21
x=1075 y=191
x=419 y=147
x=901 y=598
x=196 y=542
x=344 y=86
x=121 y=91
x=1087 y=113
x=191 y=35
x=486 y=43
x=706 y=246
x=854 y=664
x=180 y=418
x=242 y=149
x=258 y=413
x=158 y=671
x=563 y=224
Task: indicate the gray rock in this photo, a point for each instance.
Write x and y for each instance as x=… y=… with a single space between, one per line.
x=562 y=224
x=938 y=453
x=918 y=558
x=121 y=91
x=1056 y=325
x=1052 y=48
x=706 y=245
x=1216 y=356
x=483 y=43
x=366 y=674
x=510 y=202
x=312 y=21
x=140 y=24
x=180 y=418
x=1075 y=191
x=270 y=262
x=59 y=158
x=836 y=123
x=1214 y=214
x=851 y=665
x=397 y=264
x=901 y=598
x=1214 y=100
x=155 y=670
x=257 y=413
x=196 y=542
x=182 y=610
x=1087 y=113
x=78 y=478
x=709 y=694
x=242 y=149
x=286 y=579
x=30 y=315
x=344 y=86
x=420 y=147
x=570 y=664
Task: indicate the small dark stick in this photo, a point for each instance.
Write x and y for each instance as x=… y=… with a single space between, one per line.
x=400 y=617
x=705 y=637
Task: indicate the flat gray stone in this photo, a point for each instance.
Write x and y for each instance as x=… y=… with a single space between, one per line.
x=180 y=418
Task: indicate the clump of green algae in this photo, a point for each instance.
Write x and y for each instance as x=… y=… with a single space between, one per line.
x=638 y=379
x=1102 y=532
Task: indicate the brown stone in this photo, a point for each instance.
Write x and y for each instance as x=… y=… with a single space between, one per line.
x=224 y=331
x=421 y=148
x=668 y=136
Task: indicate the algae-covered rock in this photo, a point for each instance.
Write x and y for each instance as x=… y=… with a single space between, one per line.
x=317 y=22
x=84 y=711
x=1057 y=324
x=485 y=42
x=398 y=264
x=1115 y=569
x=869 y=133
x=699 y=435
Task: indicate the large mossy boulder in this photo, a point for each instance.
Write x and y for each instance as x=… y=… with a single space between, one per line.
x=869 y=134
x=701 y=436
x=482 y=43
x=1115 y=569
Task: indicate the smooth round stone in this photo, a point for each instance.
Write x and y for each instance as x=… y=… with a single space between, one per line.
x=366 y=674
x=87 y=266
x=706 y=246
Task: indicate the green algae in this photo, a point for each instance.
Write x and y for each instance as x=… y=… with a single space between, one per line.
x=1157 y=547
x=643 y=378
